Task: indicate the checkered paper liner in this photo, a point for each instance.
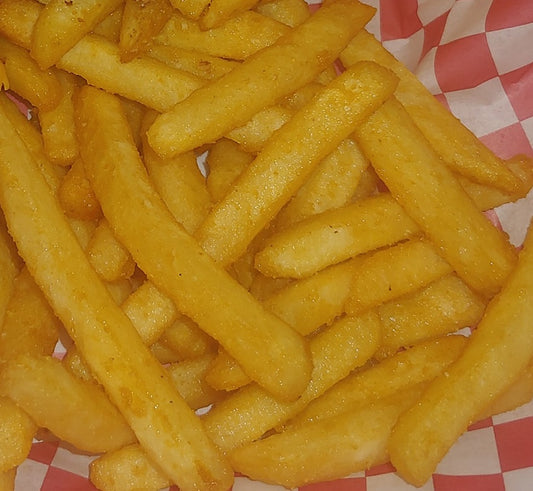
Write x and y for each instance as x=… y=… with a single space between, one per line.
x=476 y=57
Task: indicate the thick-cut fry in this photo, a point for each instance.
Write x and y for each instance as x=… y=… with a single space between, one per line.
x=290 y=12
x=334 y=236
x=144 y=79
x=289 y=157
x=331 y=185
x=225 y=161
x=189 y=378
x=141 y=22
x=260 y=81
x=236 y=39
x=126 y=468
x=180 y=183
x=327 y=449
x=219 y=11
x=17 y=430
x=200 y=64
x=167 y=428
x=62 y=24
x=29 y=325
x=442 y=307
x=394 y=271
x=77 y=196
x=269 y=351
x=110 y=259
x=40 y=87
x=17 y=18
x=499 y=350
x=416 y=176
x=43 y=388
x=190 y=8
x=416 y=365
x=250 y=412
x=457 y=145
x=57 y=125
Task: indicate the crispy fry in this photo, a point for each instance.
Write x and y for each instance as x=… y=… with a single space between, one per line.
x=499 y=350
x=290 y=156
x=264 y=76
x=62 y=24
x=480 y=253
x=131 y=376
x=180 y=267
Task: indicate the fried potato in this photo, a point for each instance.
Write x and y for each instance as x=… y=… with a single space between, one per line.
x=141 y=22
x=416 y=176
x=61 y=25
x=499 y=350
x=17 y=430
x=175 y=262
x=265 y=77
x=289 y=157
x=50 y=394
x=250 y=412
x=131 y=376
x=457 y=145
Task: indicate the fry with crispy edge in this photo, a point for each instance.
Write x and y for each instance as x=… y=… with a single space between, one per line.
x=260 y=80
x=136 y=383
x=290 y=156
x=498 y=351
x=268 y=350
x=428 y=191
x=457 y=145
x=62 y=24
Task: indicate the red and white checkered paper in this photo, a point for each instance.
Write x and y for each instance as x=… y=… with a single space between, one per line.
x=476 y=57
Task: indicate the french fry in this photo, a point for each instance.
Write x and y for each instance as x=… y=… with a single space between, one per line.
x=498 y=351
x=109 y=27
x=107 y=340
x=17 y=430
x=17 y=19
x=250 y=412
x=457 y=145
x=29 y=325
x=150 y=311
x=335 y=236
x=225 y=374
x=331 y=185
x=43 y=388
x=265 y=77
x=200 y=64
x=40 y=87
x=442 y=307
x=62 y=24
x=290 y=156
x=394 y=271
x=143 y=79
x=110 y=259
x=189 y=378
x=180 y=183
x=480 y=253
x=4 y=82
x=7 y=479
x=289 y=12
x=190 y=8
x=326 y=449
x=10 y=266
x=175 y=262
x=416 y=365
x=128 y=466
x=219 y=11
x=225 y=161
x=236 y=39
x=141 y=22
x=57 y=125
x=77 y=196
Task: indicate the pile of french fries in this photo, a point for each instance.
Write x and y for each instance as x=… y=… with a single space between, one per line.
x=260 y=240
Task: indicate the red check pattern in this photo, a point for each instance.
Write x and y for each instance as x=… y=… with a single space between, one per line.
x=476 y=57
